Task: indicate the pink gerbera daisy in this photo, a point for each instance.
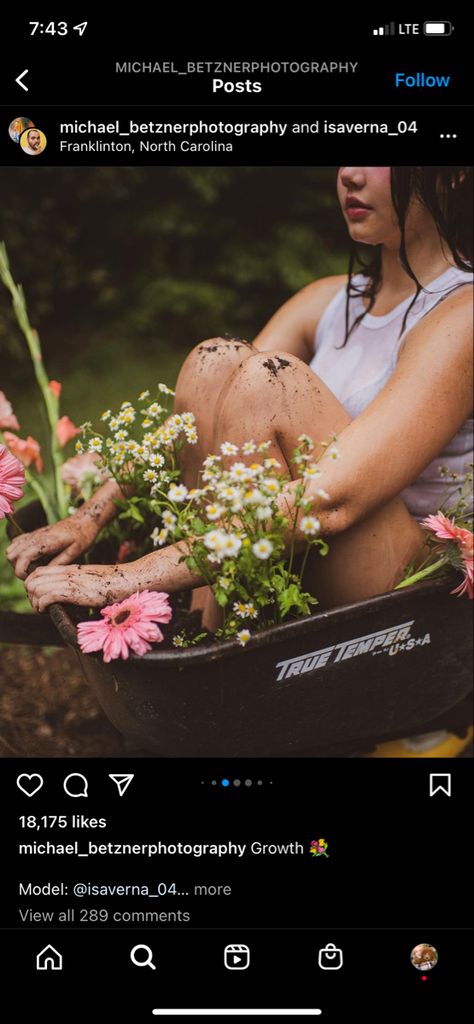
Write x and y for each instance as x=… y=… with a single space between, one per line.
x=447 y=530
x=12 y=481
x=127 y=626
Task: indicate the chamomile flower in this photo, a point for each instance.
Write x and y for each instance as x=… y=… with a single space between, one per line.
x=254 y=497
x=243 y=636
x=262 y=549
x=305 y=439
x=127 y=416
x=210 y=460
x=114 y=423
x=169 y=518
x=214 y=511
x=159 y=536
x=239 y=472
x=121 y=435
x=223 y=582
x=230 y=544
x=227 y=448
x=179 y=640
x=150 y=476
x=226 y=492
x=165 y=390
x=143 y=396
x=240 y=609
x=191 y=435
x=311 y=471
x=264 y=446
x=249 y=447
x=271 y=463
x=264 y=512
x=155 y=459
x=106 y=415
x=333 y=452
x=177 y=492
x=188 y=418
x=322 y=494
x=310 y=526
x=212 y=539
x=79 y=447
x=271 y=485
x=195 y=493
x=147 y=422
x=154 y=409
x=95 y=444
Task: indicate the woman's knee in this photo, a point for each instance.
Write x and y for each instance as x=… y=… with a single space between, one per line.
x=207 y=367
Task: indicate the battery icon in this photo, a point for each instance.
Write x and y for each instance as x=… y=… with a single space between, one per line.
x=437 y=28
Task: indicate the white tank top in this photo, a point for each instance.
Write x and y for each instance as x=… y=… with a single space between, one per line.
x=359 y=370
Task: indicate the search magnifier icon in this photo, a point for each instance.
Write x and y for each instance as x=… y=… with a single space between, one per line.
x=147 y=962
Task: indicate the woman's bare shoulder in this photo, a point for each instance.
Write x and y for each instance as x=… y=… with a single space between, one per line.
x=293 y=325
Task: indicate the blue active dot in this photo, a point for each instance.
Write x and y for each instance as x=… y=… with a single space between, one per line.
x=225 y=782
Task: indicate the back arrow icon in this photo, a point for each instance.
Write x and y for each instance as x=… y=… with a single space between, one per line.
x=19 y=80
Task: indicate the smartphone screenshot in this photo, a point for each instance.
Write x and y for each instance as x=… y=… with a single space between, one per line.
x=236 y=559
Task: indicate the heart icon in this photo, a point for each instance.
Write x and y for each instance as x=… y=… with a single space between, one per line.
x=29 y=784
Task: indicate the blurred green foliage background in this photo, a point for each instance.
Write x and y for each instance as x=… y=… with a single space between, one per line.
x=125 y=269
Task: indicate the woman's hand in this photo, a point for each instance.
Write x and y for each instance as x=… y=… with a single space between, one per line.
x=90 y=585
x=65 y=540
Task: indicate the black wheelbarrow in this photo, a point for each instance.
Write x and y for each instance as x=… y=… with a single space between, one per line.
x=332 y=684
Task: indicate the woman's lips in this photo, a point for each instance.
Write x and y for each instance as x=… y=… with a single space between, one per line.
x=357 y=212
x=356 y=209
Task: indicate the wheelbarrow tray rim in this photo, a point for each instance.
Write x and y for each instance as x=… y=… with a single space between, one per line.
x=296 y=628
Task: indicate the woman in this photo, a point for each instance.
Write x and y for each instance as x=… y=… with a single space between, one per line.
x=383 y=360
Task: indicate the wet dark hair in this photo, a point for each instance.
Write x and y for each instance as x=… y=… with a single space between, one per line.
x=447 y=194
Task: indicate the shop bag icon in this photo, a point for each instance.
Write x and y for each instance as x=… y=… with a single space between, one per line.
x=330 y=958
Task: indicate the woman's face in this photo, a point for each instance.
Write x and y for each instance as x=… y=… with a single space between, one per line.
x=366 y=202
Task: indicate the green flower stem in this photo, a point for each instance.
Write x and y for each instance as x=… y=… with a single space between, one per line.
x=41 y=493
x=303 y=563
x=50 y=400
x=14 y=523
x=423 y=573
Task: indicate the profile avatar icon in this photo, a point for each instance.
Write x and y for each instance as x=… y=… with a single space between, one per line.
x=18 y=126
x=33 y=141
x=424 y=957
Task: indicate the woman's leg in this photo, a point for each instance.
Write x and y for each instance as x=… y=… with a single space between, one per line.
x=275 y=396
x=203 y=374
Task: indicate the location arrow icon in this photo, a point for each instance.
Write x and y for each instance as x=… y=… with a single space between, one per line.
x=122 y=782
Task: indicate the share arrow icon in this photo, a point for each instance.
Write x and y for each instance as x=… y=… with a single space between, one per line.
x=122 y=782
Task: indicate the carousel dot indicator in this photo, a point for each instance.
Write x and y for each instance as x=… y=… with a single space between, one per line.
x=214 y=782
x=236 y=782
x=248 y=782
x=225 y=783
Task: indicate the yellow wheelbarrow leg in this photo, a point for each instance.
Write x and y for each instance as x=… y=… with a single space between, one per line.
x=436 y=744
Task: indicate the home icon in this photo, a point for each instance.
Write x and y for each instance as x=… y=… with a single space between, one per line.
x=49 y=960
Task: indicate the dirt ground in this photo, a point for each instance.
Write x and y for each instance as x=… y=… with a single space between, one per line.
x=47 y=708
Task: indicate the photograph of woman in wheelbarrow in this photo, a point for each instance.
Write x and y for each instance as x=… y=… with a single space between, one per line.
x=380 y=359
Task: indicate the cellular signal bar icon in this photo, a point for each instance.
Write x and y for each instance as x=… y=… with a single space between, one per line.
x=385 y=30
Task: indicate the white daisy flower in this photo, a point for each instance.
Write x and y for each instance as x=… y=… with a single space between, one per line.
x=230 y=544
x=333 y=452
x=212 y=539
x=240 y=609
x=95 y=444
x=159 y=536
x=254 y=497
x=150 y=476
x=227 y=448
x=147 y=422
x=262 y=548
x=264 y=446
x=114 y=423
x=121 y=435
x=310 y=525
x=177 y=492
x=79 y=447
x=311 y=471
x=155 y=459
x=264 y=512
x=191 y=435
x=305 y=439
x=188 y=418
x=214 y=511
x=165 y=390
x=224 y=582
x=154 y=409
x=106 y=415
x=243 y=636
x=169 y=518
x=239 y=471
x=178 y=641
x=210 y=460
x=249 y=447
x=322 y=494
x=271 y=485
x=143 y=396
x=271 y=463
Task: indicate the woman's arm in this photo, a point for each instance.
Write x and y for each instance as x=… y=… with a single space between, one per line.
x=293 y=325
x=67 y=539
x=408 y=424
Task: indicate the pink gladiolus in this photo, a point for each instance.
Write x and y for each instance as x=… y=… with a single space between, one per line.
x=26 y=450
x=8 y=420
x=447 y=530
x=12 y=481
x=127 y=626
x=65 y=430
x=55 y=387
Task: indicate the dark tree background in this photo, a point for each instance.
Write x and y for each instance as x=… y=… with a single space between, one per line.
x=124 y=269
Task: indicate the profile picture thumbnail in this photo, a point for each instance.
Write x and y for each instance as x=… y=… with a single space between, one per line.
x=424 y=957
x=18 y=126
x=33 y=141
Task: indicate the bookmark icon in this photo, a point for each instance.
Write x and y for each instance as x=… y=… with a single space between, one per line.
x=122 y=782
